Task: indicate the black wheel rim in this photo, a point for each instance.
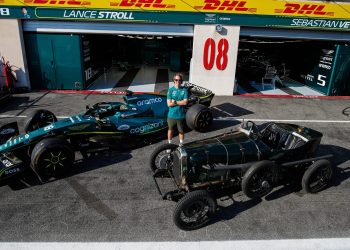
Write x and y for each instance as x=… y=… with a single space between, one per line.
x=54 y=162
x=164 y=159
x=195 y=213
x=320 y=179
x=260 y=183
x=204 y=120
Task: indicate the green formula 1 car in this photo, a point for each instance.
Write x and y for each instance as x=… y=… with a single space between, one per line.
x=48 y=147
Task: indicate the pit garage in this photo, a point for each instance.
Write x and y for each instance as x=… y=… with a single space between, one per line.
x=281 y=62
x=106 y=56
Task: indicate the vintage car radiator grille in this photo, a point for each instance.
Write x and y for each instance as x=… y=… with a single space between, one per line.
x=177 y=167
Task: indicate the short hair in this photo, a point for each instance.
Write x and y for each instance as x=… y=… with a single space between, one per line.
x=179 y=75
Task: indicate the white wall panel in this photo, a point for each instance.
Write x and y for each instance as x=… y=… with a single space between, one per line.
x=214 y=58
x=13 y=50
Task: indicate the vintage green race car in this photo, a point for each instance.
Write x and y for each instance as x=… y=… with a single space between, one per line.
x=253 y=159
x=49 y=145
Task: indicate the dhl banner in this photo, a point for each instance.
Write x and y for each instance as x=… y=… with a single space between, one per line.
x=281 y=13
x=330 y=9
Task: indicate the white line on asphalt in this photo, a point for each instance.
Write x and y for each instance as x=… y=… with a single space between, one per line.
x=305 y=244
x=223 y=111
x=278 y=120
x=13 y=116
x=224 y=119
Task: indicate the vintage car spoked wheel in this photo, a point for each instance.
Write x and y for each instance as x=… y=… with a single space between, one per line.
x=199 y=118
x=162 y=157
x=52 y=157
x=258 y=180
x=317 y=177
x=39 y=119
x=194 y=210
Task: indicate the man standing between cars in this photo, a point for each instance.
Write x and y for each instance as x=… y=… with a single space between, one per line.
x=177 y=99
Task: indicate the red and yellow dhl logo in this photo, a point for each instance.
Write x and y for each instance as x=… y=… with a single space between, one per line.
x=304 y=9
x=156 y=4
x=58 y=2
x=226 y=5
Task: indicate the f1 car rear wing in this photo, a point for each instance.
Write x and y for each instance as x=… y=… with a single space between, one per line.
x=201 y=95
x=7 y=131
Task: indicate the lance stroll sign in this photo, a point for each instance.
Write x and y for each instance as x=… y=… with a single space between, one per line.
x=267 y=13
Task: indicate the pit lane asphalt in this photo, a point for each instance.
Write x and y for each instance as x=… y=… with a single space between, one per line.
x=113 y=197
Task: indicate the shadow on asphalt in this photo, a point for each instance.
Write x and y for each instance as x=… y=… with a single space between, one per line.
x=340 y=156
x=226 y=110
x=340 y=173
x=221 y=124
x=98 y=161
x=229 y=110
x=83 y=165
x=231 y=211
x=14 y=102
x=22 y=103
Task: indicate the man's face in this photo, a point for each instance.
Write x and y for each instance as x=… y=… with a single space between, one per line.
x=24 y=11
x=177 y=81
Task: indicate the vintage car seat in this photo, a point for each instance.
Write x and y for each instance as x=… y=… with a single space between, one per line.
x=293 y=142
x=279 y=138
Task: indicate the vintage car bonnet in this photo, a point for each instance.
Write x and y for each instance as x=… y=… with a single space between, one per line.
x=231 y=148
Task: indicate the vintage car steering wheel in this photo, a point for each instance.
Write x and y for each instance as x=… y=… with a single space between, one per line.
x=253 y=130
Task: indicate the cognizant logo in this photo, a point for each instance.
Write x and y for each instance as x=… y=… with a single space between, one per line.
x=149 y=101
x=146 y=128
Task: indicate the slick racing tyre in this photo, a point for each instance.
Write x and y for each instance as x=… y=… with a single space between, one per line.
x=194 y=210
x=317 y=177
x=258 y=180
x=162 y=157
x=39 y=119
x=199 y=118
x=52 y=157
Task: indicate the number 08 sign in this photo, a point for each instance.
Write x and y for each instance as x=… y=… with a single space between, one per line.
x=214 y=58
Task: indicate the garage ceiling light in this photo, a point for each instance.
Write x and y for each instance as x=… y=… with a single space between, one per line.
x=159 y=37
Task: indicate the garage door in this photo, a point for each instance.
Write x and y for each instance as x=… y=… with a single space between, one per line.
x=107 y=28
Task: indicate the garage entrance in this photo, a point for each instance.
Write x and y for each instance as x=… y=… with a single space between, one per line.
x=136 y=62
x=106 y=56
x=273 y=63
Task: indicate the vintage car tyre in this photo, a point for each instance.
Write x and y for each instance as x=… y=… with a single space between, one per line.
x=196 y=207
x=199 y=118
x=52 y=157
x=317 y=177
x=154 y=162
x=258 y=180
x=38 y=119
